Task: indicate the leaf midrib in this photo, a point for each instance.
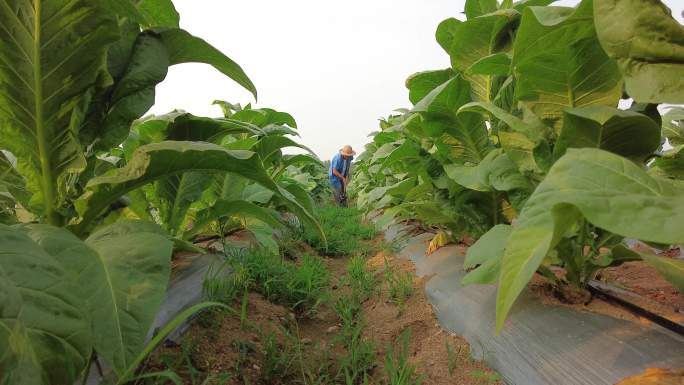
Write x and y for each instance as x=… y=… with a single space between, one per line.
x=112 y=294
x=41 y=134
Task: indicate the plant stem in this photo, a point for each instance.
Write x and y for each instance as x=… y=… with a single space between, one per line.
x=87 y=371
x=580 y=258
x=495 y=208
x=243 y=309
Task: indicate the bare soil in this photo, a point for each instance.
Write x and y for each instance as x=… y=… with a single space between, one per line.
x=644 y=287
x=216 y=345
x=428 y=341
x=547 y=293
x=644 y=280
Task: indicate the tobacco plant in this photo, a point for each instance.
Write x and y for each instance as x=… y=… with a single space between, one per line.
x=528 y=115
x=186 y=204
x=74 y=76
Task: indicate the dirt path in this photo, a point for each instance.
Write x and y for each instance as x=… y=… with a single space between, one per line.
x=276 y=346
x=441 y=365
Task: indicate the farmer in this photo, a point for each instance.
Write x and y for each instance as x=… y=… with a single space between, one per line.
x=339 y=174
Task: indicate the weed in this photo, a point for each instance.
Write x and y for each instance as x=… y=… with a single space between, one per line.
x=399 y=285
x=218 y=284
x=359 y=360
x=243 y=307
x=452 y=357
x=244 y=350
x=266 y=271
x=397 y=368
x=181 y=365
x=301 y=286
x=306 y=284
x=388 y=247
x=487 y=377
x=291 y=237
x=344 y=229
x=278 y=360
x=360 y=278
x=347 y=308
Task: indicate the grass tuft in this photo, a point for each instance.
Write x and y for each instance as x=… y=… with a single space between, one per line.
x=361 y=280
x=397 y=368
x=399 y=285
x=302 y=286
x=344 y=228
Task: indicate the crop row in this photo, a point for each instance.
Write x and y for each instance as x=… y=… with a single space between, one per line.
x=544 y=141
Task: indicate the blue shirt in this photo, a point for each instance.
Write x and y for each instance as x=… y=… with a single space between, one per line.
x=342 y=166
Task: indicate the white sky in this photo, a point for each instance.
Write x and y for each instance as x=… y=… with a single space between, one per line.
x=336 y=66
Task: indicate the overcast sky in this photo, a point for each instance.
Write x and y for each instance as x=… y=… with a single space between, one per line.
x=336 y=66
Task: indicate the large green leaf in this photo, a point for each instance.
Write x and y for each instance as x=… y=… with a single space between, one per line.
x=405 y=151
x=146 y=13
x=158 y=13
x=226 y=208
x=269 y=147
x=558 y=62
x=401 y=188
x=445 y=33
x=185 y=48
x=445 y=99
x=670 y=164
x=420 y=84
x=494 y=64
x=263 y=234
x=610 y=191
x=120 y=273
x=673 y=125
x=467 y=139
x=475 y=8
x=176 y=193
x=256 y=193
x=383 y=151
x=109 y=121
x=672 y=269
x=527 y=146
x=533 y=132
x=45 y=333
x=648 y=44
x=302 y=196
x=496 y=172
x=299 y=160
x=476 y=39
x=263 y=117
x=227 y=108
x=157 y=160
x=625 y=133
x=485 y=256
x=184 y=126
x=12 y=185
x=530 y=156
x=52 y=53
x=125 y=285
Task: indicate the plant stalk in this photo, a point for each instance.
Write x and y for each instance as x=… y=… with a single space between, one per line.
x=243 y=309
x=87 y=371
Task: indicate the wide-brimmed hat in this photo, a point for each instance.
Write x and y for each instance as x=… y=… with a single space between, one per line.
x=347 y=151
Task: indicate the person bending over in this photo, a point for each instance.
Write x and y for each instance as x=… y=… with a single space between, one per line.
x=339 y=174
